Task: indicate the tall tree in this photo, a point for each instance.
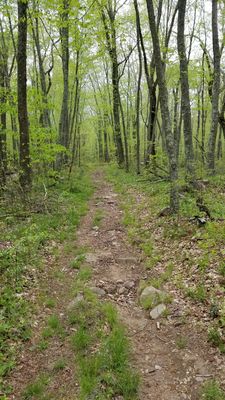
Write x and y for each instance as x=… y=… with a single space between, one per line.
x=45 y=120
x=164 y=105
x=138 y=87
x=215 y=88
x=185 y=96
x=25 y=167
x=3 y=79
x=108 y=14
x=64 y=115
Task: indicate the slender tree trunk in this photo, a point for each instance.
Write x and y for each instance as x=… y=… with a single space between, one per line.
x=25 y=167
x=105 y=134
x=176 y=125
x=164 y=104
x=3 y=151
x=125 y=136
x=152 y=85
x=75 y=110
x=138 y=98
x=100 y=138
x=64 y=116
x=219 y=145
x=203 y=111
x=45 y=120
x=185 y=97
x=110 y=33
x=116 y=109
x=215 y=89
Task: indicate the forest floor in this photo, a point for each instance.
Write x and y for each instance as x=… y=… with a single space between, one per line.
x=78 y=333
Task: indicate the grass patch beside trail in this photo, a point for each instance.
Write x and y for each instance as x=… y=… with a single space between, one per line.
x=29 y=232
x=193 y=253
x=101 y=348
x=211 y=390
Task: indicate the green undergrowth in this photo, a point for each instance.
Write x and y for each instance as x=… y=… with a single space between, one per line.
x=159 y=190
x=101 y=347
x=142 y=200
x=211 y=390
x=29 y=232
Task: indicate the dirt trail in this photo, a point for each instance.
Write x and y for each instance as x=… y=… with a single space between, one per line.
x=167 y=372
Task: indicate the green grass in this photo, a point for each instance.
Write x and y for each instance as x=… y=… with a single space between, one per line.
x=47 y=333
x=42 y=345
x=222 y=269
x=98 y=217
x=198 y=293
x=59 y=365
x=28 y=240
x=84 y=274
x=77 y=261
x=101 y=348
x=215 y=337
x=181 y=342
x=81 y=339
x=36 y=389
x=50 y=303
x=211 y=390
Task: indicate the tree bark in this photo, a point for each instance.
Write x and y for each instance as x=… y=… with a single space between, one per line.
x=45 y=120
x=110 y=34
x=215 y=89
x=164 y=105
x=3 y=151
x=138 y=98
x=185 y=96
x=64 y=115
x=25 y=167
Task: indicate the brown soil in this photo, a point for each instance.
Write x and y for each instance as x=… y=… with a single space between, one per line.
x=167 y=372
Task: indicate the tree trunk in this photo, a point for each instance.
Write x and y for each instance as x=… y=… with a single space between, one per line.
x=138 y=98
x=164 y=104
x=185 y=97
x=3 y=152
x=64 y=115
x=45 y=120
x=110 y=34
x=25 y=167
x=105 y=134
x=215 y=89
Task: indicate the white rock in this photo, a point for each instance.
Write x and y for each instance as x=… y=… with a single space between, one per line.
x=98 y=291
x=157 y=311
x=129 y=284
x=153 y=295
x=76 y=301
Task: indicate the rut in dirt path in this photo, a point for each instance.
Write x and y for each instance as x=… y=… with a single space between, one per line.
x=166 y=372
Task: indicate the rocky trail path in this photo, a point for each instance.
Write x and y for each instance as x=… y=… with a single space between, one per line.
x=168 y=371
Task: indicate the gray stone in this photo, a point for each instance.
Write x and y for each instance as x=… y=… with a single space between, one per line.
x=98 y=291
x=129 y=260
x=91 y=257
x=151 y=297
x=129 y=284
x=77 y=300
x=157 y=311
x=122 y=290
